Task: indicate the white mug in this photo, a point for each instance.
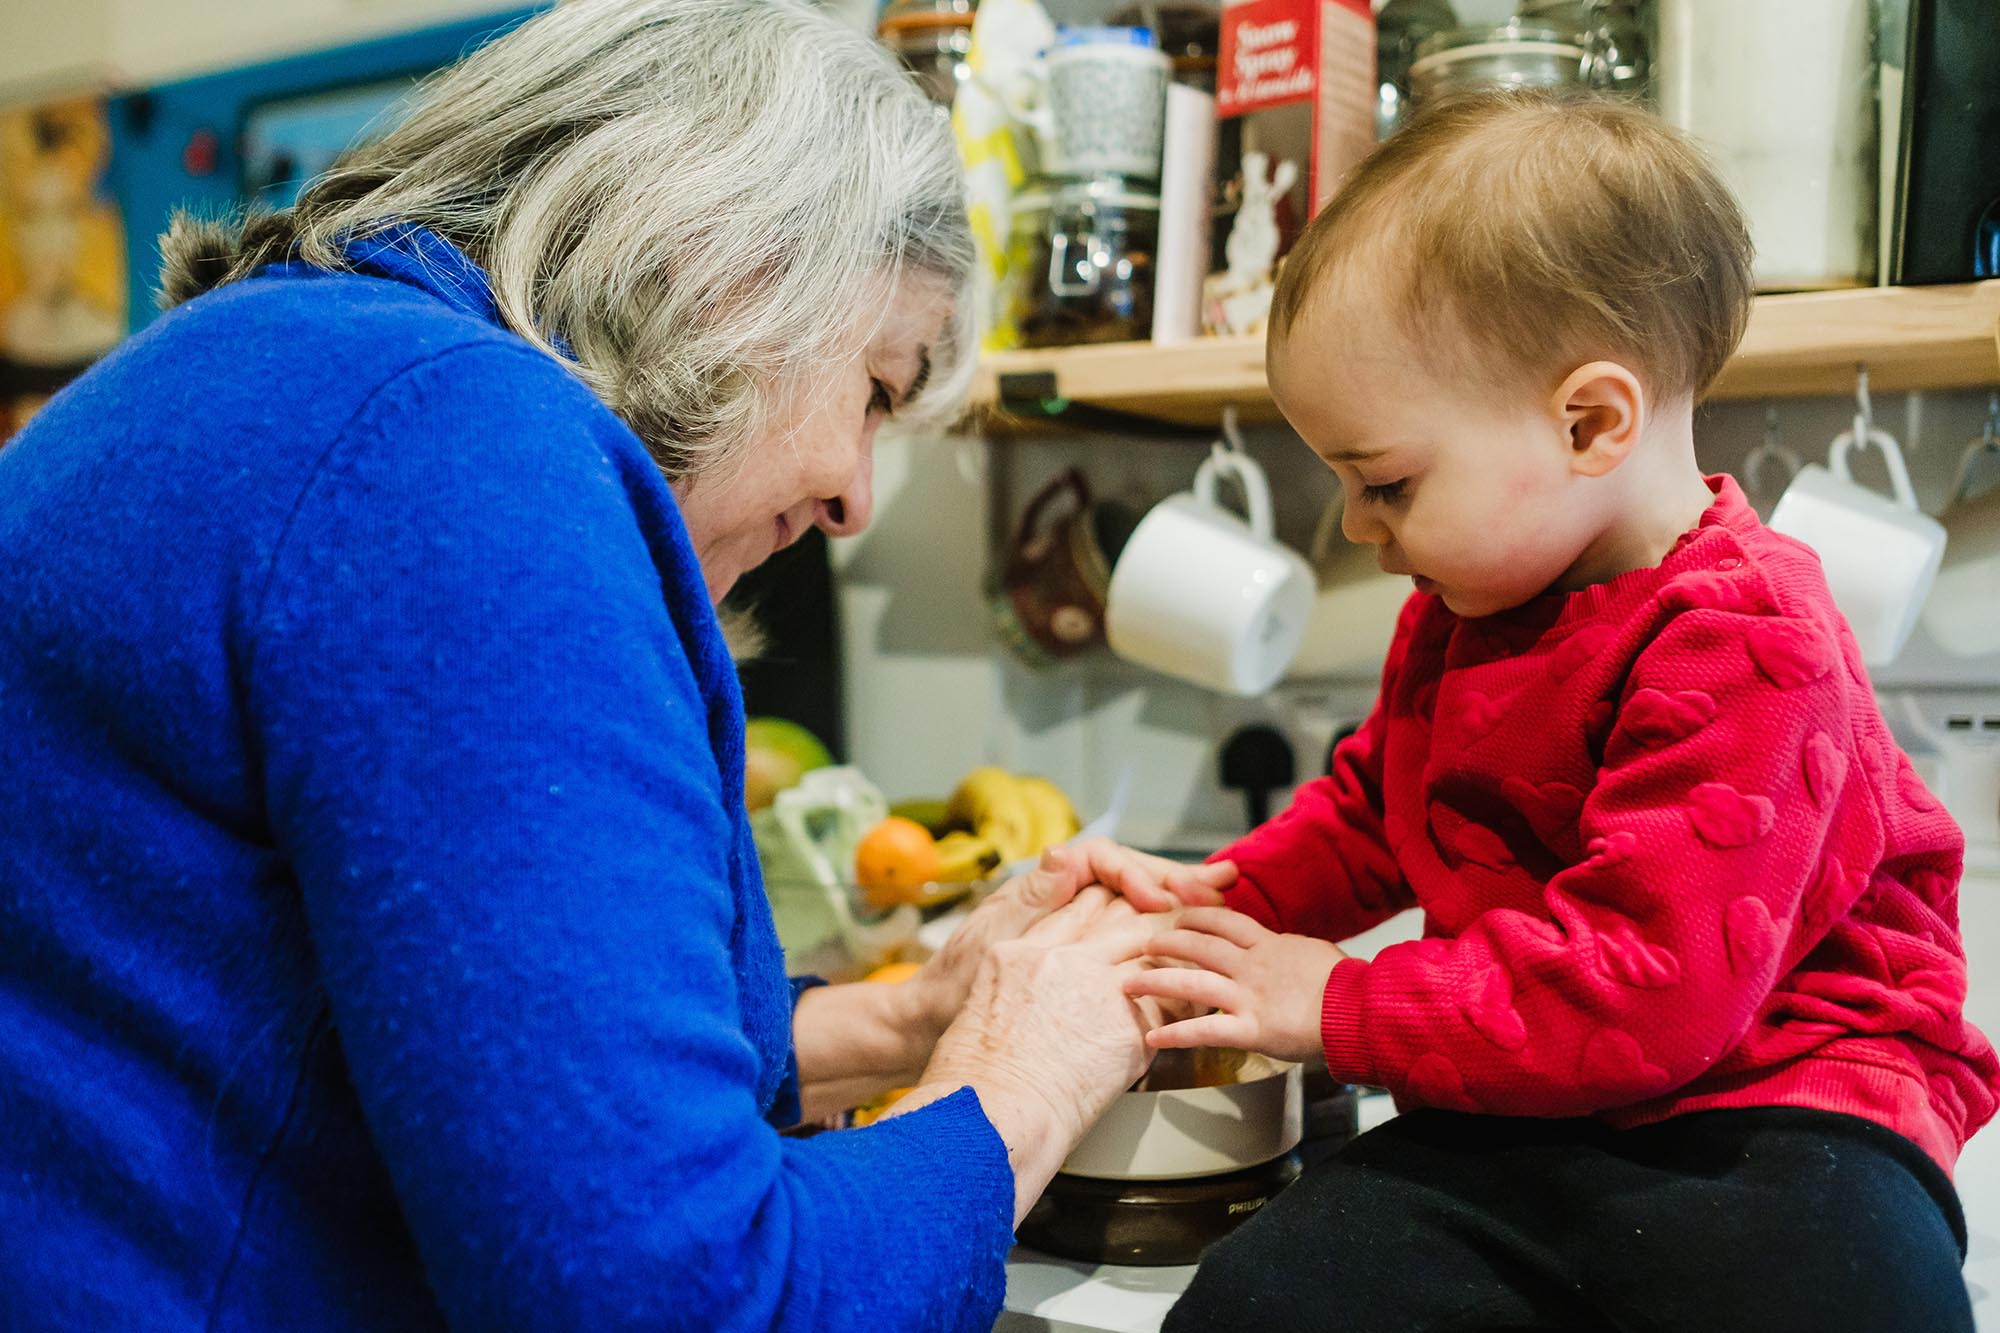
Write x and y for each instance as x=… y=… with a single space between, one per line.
x=1880 y=555
x=1206 y=596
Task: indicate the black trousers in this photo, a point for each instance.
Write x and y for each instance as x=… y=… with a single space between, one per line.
x=1759 y=1220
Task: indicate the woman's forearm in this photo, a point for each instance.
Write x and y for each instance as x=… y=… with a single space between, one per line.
x=1036 y=1135
x=855 y=1042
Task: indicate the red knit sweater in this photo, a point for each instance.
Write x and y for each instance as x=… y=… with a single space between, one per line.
x=1670 y=859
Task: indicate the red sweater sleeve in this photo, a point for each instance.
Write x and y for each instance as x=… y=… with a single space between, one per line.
x=1653 y=955
x=1323 y=867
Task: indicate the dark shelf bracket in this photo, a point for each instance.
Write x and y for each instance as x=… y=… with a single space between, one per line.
x=1032 y=395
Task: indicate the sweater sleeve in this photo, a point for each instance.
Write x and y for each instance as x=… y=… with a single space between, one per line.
x=1322 y=866
x=489 y=766
x=1704 y=832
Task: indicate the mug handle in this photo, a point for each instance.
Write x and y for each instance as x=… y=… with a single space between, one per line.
x=1863 y=435
x=1070 y=482
x=1256 y=489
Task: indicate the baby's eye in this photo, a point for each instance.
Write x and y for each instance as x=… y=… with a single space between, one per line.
x=1387 y=493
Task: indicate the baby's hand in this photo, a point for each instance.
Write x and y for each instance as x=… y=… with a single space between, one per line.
x=1153 y=883
x=1269 y=988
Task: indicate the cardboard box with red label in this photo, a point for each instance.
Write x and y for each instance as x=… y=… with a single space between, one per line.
x=1301 y=76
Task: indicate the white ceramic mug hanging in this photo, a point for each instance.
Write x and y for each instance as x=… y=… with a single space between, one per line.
x=1206 y=596
x=1880 y=554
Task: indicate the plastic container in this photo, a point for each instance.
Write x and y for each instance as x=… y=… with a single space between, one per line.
x=1781 y=93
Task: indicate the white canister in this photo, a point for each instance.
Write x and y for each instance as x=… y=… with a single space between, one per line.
x=1107 y=103
x=1782 y=94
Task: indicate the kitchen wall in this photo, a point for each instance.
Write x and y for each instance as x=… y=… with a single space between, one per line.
x=137 y=42
x=931 y=693
x=61 y=44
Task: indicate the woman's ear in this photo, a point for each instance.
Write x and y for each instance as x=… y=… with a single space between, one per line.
x=1601 y=408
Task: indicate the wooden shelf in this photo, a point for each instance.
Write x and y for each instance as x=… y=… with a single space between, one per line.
x=1798 y=345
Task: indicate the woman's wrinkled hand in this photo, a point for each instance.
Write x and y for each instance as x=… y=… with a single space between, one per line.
x=1048 y=1024
x=1154 y=883
x=1150 y=883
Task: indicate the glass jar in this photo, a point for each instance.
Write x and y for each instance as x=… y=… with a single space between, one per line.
x=932 y=38
x=1512 y=55
x=1189 y=31
x=1401 y=26
x=1080 y=261
x=1615 y=33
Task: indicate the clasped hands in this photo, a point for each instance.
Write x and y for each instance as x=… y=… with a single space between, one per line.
x=1203 y=975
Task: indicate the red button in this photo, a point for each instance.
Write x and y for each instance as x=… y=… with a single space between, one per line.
x=1729 y=562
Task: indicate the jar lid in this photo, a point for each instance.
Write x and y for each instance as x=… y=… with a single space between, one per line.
x=1507 y=39
x=897 y=11
x=1104 y=34
x=900 y=25
x=1106 y=190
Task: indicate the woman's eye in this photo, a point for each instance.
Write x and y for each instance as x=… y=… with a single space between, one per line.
x=879 y=400
x=1387 y=493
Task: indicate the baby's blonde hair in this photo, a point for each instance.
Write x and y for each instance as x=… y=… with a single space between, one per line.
x=1551 y=228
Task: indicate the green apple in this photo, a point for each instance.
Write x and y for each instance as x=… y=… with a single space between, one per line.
x=776 y=754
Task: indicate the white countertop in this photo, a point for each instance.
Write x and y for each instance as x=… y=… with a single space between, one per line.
x=1046 y=1295
x=1049 y=1295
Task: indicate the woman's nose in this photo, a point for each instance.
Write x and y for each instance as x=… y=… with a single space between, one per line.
x=846 y=513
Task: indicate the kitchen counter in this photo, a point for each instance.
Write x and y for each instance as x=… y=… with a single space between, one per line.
x=1050 y=1295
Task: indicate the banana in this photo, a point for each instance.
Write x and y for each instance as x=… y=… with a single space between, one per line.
x=927 y=810
x=1055 y=817
x=963 y=857
x=989 y=801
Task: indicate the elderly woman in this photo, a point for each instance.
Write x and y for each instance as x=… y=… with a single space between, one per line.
x=381 y=940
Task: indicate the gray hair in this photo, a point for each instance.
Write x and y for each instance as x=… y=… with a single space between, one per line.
x=693 y=204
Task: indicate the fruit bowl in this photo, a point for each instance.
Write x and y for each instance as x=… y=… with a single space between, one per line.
x=829 y=931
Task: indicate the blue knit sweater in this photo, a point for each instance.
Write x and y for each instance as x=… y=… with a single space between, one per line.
x=381 y=941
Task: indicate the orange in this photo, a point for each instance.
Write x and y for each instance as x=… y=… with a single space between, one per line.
x=890 y=974
x=894 y=861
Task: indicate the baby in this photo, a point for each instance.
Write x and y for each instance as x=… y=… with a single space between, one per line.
x=1682 y=1046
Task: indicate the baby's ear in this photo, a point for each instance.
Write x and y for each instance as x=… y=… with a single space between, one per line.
x=1601 y=408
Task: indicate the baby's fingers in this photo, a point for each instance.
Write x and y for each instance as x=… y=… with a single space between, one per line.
x=1133 y=875
x=1201 y=886
x=1187 y=984
x=1233 y=926
x=1208 y=1030
x=1191 y=946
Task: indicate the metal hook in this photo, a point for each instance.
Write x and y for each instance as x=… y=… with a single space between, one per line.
x=1766 y=452
x=1232 y=433
x=1968 y=462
